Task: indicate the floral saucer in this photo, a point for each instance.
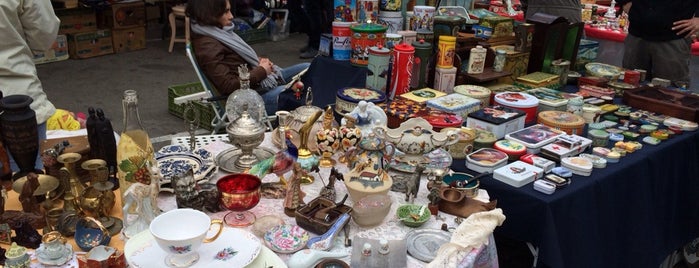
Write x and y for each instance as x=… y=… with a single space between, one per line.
x=176 y=159
x=233 y=248
x=438 y=159
x=286 y=238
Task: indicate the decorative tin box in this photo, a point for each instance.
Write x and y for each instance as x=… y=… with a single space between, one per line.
x=442 y=119
x=518 y=174
x=684 y=125
x=497 y=119
x=565 y=121
x=538 y=79
x=455 y=103
x=516 y=62
x=521 y=101
x=578 y=165
x=398 y=111
x=537 y=161
x=422 y=95
x=595 y=91
x=486 y=160
x=484 y=139
x=513 y=149
x=476 y=92
x=550 y=99
x=593 y=80
x=544 y=186
x=535 y=137
x=347 y=98
x=464 y=146
x=565 y=146
x=502 y=26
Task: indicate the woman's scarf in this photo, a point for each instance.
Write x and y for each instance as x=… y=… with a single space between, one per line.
x=229 y=38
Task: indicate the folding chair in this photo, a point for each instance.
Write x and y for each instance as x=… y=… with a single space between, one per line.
x=209 y=95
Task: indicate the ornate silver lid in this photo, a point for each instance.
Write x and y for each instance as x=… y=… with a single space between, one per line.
x=245 y=125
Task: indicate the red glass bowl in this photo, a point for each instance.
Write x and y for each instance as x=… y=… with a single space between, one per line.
x=239 y=192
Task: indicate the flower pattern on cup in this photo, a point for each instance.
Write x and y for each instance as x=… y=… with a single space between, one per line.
x=181 y=249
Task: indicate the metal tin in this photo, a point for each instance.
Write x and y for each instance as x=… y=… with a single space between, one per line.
x=455 y=103
x=401 y=70
x=393 y=20
x=513 y=149
x=446 y=51
x=518 y=174
x=447 y=25
x=365 y=36
x=476 y=92
x=476 y=60
x=486 y=160
x=393 y=39
x=423 y=52
x=599 y=137
x=409 y=37
x=341 y=40
x=524 y=33
x=499 y=120
x=367 y=10
x=444 y=79
x=519 y=100
x=377 y=68
x=565 y=121
x=422 y=95
x=348 y=98
x=423 y=18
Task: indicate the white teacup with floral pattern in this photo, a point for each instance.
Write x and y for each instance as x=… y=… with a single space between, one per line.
x=180 y=233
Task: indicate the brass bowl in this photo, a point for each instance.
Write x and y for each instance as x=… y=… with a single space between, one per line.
x=47 y=183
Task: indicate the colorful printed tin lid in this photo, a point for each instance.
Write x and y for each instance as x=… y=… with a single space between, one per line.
x=535 y=136
x=538 y=77
x=453 y=103
x=422 y=44
x=551 y=97
x=561 y=119
x=466 y=134
x=598 y=133
x=422 y=95
x=510 y=147
x=473 y=91
x=516 y=99
x=404 y=109
x=504 y=88
x=379 y=50
x=497 y=114
x=369 y=28
x=354 y=94
x=487 y=157
x=441 y=119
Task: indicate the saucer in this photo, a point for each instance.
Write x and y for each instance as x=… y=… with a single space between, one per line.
x=438 y=159
x=226 y=160
x=42 y=258
x=233 y=248
x=176 y=159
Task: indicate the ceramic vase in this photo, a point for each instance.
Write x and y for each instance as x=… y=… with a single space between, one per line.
x=19 y=131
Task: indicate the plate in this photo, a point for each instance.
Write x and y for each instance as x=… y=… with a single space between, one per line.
x=423 y=244
x=176 y=159
x=233 y=248
x=438 y=159
x=286 y=238
x=226 y=160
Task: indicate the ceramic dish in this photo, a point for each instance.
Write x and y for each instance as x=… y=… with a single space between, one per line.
x=610 y=72
x=438 y=159
x=141 y=250
x=286 y=238
x=176 y=159
x=423 y=244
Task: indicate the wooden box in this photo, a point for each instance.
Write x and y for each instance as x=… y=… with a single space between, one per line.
x=306 y=215
x=122 y=15
x=90 y=44
x=668 y=102
x=76 y=20
x=502 y=26
x=125 y=40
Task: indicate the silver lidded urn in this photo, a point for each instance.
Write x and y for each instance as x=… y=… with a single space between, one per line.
x=246 y=133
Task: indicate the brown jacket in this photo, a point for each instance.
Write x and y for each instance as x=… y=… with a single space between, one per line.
x=220 y=65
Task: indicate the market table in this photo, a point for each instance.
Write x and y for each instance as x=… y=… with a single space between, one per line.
x=629 y=214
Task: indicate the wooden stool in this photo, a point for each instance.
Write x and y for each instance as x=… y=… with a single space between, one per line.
x=178 y=11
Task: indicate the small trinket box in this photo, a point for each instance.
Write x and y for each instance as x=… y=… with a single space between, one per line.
x=650 y=140
x=565 y=146
x=486 y=160
x=544 y=187
x=562 y=120
x=518 y=174
x=597 y=161
x=578 y=165
x=681 y=123
x=513 y=149
x=556 y=180
x=497 y=119
x=535 y=137
x=562 y=171
x=537 y=161
x=455 y=103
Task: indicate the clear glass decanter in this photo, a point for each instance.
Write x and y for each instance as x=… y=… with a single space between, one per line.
x=245 y=95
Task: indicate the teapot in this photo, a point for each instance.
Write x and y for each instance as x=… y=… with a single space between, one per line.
x=371 y=147
x=415 y=138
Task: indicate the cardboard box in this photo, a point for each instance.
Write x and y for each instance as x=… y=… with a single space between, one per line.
x=515 y=63
x=76 y=20
x=90 y=44
x=130 y=39
x=57 y=52
x=122 y=15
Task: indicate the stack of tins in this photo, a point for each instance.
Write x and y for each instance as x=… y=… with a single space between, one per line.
x=565 y=121
x=521 y=101
x=364 y=36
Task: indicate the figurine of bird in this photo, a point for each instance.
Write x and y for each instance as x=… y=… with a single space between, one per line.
x=279 y=164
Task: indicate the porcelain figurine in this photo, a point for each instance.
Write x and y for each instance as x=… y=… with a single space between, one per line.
x=328 y=139
x=309 y=257
x=413 y=184
x=415 y=138
x=328 y=190
x=349 y=136
x=368 y=116
x=294 y=194
x=368 y=169
x=137 y=197
x=186 y=194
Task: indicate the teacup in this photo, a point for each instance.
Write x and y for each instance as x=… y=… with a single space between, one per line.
x=180 y=233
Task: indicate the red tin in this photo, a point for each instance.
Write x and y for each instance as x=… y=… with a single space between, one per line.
x=401 y=69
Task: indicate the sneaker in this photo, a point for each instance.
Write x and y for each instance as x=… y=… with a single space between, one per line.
x=309 y=54
x=304 y=49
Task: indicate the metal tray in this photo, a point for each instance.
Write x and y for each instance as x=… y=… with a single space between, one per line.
x=423 y=244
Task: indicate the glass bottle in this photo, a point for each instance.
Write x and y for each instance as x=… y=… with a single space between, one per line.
x=500 y=58
x=135 y=159
x=245 y=95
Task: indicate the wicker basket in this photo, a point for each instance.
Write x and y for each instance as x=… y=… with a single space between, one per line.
x=206 y=112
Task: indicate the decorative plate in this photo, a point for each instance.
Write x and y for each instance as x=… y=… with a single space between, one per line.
x=286 y=238
x=438 y=159
x=233 y=248
x=603 y=70
x=176 y=159
x=423 y=244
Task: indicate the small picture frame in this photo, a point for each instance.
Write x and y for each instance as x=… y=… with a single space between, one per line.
x=279 y=17
x=325 y=47
x=5 y=233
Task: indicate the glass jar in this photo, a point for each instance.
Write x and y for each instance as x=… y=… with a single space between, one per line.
x=245 y=95
x=500 y=57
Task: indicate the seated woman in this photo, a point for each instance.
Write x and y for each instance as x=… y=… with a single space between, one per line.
x=219 y=51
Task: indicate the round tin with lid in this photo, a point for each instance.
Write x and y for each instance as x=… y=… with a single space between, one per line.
x=591 y=113
x=464 y=146
x=347 y=98
x=476 y=92
x=599 y=137
x=484 y=139
x=364 y=36
x=565 y=121
x=513 y=149
x=441 y=119
x=519 y=100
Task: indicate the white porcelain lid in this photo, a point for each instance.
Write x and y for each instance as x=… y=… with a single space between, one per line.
x=516 y=99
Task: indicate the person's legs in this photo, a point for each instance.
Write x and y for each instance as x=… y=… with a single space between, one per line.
x=636 y=54
x=289 y=72
x=271 y=99
x=671 y=59
x=314 y=15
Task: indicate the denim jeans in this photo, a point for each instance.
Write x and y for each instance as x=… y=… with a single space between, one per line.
x=271 y=98
x=39 y=164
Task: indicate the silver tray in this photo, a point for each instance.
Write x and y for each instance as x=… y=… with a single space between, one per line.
x=423 y=243
x=226 y=160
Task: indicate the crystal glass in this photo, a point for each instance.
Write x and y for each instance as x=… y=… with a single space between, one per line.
x=239 y=193
x=245 y=95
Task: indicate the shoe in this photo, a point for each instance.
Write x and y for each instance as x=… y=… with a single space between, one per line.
x=304 y=49
x=309 y=54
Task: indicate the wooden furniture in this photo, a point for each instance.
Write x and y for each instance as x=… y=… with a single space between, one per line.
x=178 y=12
